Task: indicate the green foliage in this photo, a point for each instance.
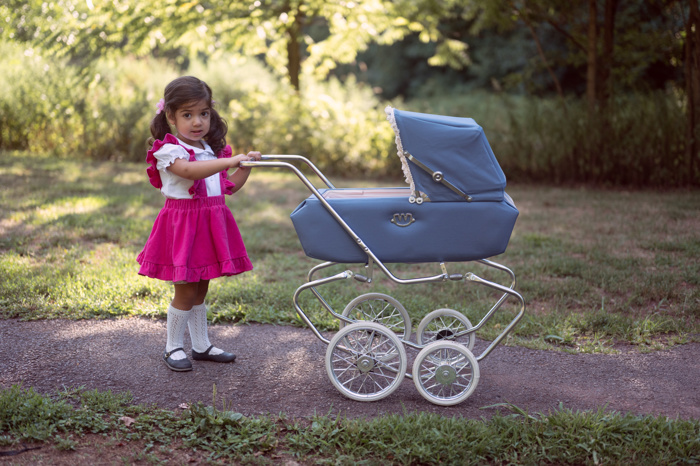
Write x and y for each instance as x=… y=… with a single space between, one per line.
x=647 y=46
x=322 y=33
x=561 y=437
x=30 y=416
x=511 y=435
x=47 y=109
x=342 y=126
x=639 y=140
x=227 y=433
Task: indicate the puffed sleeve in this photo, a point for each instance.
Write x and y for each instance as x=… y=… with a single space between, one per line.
x=226 y=184
x=168 y=153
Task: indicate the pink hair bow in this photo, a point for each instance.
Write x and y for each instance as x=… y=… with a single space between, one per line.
x=160 y=106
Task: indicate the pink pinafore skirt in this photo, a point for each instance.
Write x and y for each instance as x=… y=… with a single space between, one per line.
x=192 y=240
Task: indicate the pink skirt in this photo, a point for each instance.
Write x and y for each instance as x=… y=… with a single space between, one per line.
x=193 y=240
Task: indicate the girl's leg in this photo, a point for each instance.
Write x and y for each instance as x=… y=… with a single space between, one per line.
x=202 y=349
x=178 y=316
x=198 y=323
x=187 y=294
x=176 y=324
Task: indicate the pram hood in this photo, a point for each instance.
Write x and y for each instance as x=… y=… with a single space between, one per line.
x=447 y=158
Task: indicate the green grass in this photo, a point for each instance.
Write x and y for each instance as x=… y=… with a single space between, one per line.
x=110 y=424
x=595 y=267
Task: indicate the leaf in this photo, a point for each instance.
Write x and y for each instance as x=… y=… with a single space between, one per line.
x=552 y=338
x=127 y=420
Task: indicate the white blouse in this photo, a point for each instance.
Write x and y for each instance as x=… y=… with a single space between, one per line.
x=176 y=187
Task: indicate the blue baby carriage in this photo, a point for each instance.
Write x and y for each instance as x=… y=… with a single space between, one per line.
x=454 y=210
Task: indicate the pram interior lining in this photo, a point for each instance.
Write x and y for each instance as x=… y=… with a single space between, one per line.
x=353 y=193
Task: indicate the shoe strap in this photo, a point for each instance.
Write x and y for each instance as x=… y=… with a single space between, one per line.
x=169 y=353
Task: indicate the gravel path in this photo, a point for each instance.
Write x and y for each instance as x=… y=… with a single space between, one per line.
x=281 y=370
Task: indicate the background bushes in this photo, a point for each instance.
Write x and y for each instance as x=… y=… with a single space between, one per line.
x=103 y=113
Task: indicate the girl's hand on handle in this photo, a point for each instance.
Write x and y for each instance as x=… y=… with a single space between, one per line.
x=236 y=160
x=254 y=156
x=249 y=157
x=240 y=176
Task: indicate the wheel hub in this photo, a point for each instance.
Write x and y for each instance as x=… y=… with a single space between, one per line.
x=445 y=375
x=445 y=334
x=365 y=364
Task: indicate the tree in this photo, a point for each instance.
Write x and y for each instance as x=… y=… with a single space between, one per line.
x=614 y=43
x=291 y=35
x=692 y=88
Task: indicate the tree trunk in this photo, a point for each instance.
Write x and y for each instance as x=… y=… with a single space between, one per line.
x=606 y=84
x=293 y=50
x=592 y=49
x=540 y=50
x=293 y=56
x=692 y=84
x=590 y=166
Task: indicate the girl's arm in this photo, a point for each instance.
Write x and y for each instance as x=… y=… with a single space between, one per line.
x=198 y=170
x=240 y=176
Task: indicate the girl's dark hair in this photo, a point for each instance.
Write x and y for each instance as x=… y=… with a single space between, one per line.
x=182 y=91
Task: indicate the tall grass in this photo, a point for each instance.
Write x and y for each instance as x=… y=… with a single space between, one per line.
x=638 y=140
x=103 y=113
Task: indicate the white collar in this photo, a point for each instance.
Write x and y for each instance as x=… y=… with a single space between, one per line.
x=196 y=149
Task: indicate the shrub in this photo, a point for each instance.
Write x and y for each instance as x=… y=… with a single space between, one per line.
x=103 y=112
x=638 y=140
x=342 y=128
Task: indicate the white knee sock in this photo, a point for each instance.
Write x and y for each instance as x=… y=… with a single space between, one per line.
x=177 y=321
x=198 y=330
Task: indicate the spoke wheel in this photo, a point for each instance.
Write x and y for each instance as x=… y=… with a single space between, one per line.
x=445 y=373
x=366 y=361
x=382 y=309
x=443 y=325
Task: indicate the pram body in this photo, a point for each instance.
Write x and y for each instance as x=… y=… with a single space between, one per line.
x=400 y=231
x=462 y=214
x=455 y=209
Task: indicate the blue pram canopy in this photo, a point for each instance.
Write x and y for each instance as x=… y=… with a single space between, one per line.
x=454 y=148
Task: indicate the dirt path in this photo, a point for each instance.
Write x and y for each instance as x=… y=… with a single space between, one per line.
x=281 y=370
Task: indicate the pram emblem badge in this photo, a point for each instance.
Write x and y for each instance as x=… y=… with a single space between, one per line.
x=403 y=219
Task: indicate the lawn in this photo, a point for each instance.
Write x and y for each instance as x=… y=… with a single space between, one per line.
x=595 y=266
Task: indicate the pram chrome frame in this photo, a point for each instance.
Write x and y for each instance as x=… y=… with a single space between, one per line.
x=464 y=354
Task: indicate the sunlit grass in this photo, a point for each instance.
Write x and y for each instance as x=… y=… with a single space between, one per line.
x=53 y=211
x=595 y=267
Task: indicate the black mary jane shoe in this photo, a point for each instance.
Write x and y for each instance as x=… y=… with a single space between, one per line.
x=177 y=365
x=205 y=356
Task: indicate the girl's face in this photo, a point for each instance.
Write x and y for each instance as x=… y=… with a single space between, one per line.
x=192 y=122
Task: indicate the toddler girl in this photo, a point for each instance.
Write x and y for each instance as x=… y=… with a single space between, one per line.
x=195 y=237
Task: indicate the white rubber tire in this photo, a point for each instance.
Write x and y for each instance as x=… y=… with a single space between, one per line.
x=445 y=373
x=447 y=321
x=366 y=361
x=382 y=309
